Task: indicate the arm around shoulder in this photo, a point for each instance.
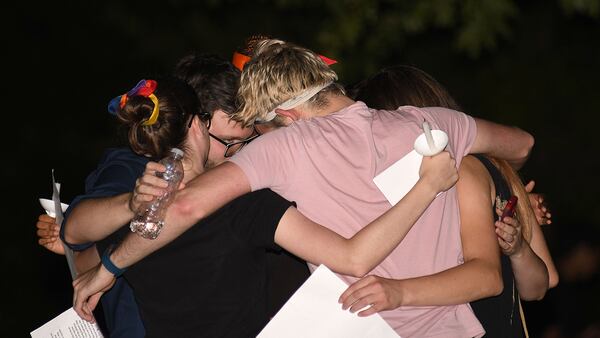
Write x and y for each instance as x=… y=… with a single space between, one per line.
x=505 y=142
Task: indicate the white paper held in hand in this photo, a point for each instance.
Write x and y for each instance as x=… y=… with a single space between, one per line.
x=48 y=206
x=313 y=311
x=68 y=325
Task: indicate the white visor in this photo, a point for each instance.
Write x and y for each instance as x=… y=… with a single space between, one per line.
x=304 y=96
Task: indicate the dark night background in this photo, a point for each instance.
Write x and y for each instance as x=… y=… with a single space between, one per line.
x=534 y=64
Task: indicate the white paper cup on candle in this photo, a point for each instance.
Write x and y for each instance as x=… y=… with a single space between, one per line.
x=440 y=139
x=48 y=205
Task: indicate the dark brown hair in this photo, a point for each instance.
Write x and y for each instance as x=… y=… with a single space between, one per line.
x=177 y=103
x=401 y=85
x=215 y=80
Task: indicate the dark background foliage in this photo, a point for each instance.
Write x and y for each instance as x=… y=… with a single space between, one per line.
x=533 y=64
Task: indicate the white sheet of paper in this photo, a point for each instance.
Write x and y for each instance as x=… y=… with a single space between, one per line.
x=67 y=325
x=397 y=180
x=313 y=311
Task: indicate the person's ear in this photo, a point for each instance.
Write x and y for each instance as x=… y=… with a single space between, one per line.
x=198 y=126
x=291 y=114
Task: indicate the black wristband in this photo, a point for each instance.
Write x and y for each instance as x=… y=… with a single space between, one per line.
x=109 y=265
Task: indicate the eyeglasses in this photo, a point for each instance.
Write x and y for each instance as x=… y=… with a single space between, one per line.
x=230 y=147
x=233 y=147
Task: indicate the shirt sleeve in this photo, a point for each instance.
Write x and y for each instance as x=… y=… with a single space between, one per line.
x=460 y=127
x=267 y=161
x=114 y=179
x=257 y=217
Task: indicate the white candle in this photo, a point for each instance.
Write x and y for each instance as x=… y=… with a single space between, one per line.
x=428 y=135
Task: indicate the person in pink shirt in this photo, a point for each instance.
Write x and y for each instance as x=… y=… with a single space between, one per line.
x=325 y=161
x=528 y=269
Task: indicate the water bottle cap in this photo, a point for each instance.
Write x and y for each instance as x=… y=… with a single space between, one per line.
x=177 y=151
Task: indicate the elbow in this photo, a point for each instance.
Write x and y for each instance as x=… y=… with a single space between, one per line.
x=360 y=271
x=70 y=234
x=537 y=291
x=186 y=210
x=358 y=268
x=527 y=146
x=535 y=294
x=495 y=285
x=492 y=283
x=553 y=280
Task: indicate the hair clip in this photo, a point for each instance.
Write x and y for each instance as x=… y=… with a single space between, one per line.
x=143 y=88
x=239 y=60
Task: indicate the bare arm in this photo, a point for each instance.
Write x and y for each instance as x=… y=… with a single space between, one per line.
x=508 y=143
x=201 y=197
x=532 y=265
x=86 y=259
x=93 y=219
x=539 y=246
x=452 y=286
x=367 y=248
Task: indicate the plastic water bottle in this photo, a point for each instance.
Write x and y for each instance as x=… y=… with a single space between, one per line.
x=149 y=219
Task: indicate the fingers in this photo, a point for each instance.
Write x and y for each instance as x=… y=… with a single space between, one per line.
x=347 y=297
x=440 y=170
x=80 y=306
x=506 y=248
x=51 y=232
x=149 y=185
x=364 y=299
x=529 y=186
x=83 y=304
x=46 y=219
x=155 y=166
x=509 y=236
x=46 y=241
x=509 y=226
x=368 y=296
x=505 y=235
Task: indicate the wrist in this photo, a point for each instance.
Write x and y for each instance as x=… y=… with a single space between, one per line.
x=129 y=204
x=108 y=264
x=520 y=252
x=428 y=188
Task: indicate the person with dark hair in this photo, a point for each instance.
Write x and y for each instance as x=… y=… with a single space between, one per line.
x=116 y=173
x=211 y=77
x=401 y=85
x=216 y=82
x=527 y=266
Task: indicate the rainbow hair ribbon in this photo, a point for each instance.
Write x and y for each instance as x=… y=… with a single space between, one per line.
x=144 y=88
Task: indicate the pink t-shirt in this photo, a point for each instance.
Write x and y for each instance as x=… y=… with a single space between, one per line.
x=327 y=164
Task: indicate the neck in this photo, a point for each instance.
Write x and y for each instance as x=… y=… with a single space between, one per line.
x=191 y=169
x=334 y=103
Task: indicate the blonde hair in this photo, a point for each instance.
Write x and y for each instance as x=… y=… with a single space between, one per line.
x=524 y=212
x=277 y=72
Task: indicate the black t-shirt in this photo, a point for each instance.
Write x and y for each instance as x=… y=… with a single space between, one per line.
x=211 y=281
x=500 y=315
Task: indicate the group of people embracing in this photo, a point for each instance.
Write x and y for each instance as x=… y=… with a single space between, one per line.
x=280 y=157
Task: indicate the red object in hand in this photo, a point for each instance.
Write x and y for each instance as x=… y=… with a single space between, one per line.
x=509 y=209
